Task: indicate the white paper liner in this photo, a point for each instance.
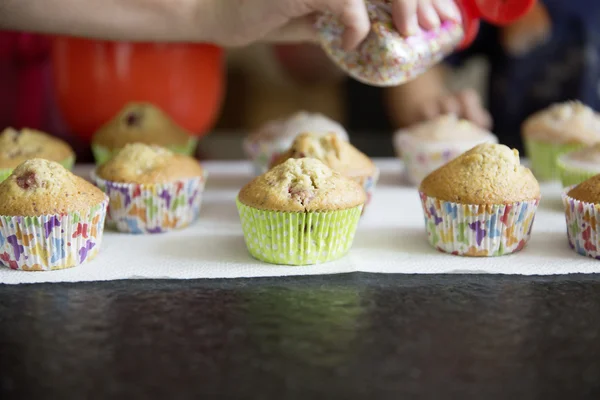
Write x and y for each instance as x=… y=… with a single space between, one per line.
x=51 y=242
x=155 y=208
x=478 y=230
x=583 y=226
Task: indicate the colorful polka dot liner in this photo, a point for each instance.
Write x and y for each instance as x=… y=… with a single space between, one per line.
x=51 y=242
x=478 y=230
x=67 y=163
x=103 y=154
x=421 y=158
x=294 y=238
x=385 y=58
x=583 y=229
x=544 y=157
x=148 y=209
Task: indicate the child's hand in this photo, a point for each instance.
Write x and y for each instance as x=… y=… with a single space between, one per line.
x=465 y=104
x=241 y=22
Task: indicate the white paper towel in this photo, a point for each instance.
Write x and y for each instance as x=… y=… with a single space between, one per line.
x=390 y=239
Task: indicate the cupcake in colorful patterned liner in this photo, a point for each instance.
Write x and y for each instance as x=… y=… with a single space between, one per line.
x=300 y=212
x=582 y=214
x=18 y=146
x=480 y=204
x=577 y=166
x=427 y=146
x=49 y=218
x=338 y=155
x=275 y=137
x=560 y=129
x=151 y=189
x=141 y=123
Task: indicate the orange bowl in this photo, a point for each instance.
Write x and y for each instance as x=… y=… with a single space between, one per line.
x=95 y=79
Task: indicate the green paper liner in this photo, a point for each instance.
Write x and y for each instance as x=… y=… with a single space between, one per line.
x=544 y=157
x=296 y=238
x=102 y=154
x=67 y=163
x=571 y=176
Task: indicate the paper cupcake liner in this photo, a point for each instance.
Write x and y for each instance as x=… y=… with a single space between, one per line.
x=157 y=208
x=67 y=163
x=583 y=226
x=369 y=183
x=103 y=154
x=478 y=230
x=295 y=238
x=571 y=176
x=544 y=157
x=263 y=153
x=51 y=242
x=422 y=158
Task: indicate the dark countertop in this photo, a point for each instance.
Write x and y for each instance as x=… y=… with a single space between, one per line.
x=324 y=337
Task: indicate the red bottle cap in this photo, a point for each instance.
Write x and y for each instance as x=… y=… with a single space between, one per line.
x=496 y=12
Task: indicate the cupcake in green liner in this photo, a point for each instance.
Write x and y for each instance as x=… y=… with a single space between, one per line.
x=300 y=212
x=579 y=165
x=141 y=123
x=49 y=218
x=562 y=128
x=481 y=204
x=151 y=189
x=337 y=154
x=18 y=146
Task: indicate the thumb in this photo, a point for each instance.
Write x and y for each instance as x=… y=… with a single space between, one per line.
x=473 y=110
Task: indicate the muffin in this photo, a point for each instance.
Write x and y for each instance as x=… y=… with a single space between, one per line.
x=300 y=212
x=582 y=205
x=151 y=189
x=19 y=146
x=561 y=128
x=338 y=155
x=577 y=166
x=427 y=146
x=49 y=218
x=481 y=204
x=141 y=123
x=275 y=137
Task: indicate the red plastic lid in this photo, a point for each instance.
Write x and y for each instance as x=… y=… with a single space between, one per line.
x=496 y=12
x=502 y=12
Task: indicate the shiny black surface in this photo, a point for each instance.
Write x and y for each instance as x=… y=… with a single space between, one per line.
x=345 y=336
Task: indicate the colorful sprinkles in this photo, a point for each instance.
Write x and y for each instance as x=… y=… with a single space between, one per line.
x=478 y=230
x=385 y=58
x=51 y=242
x=155 y=208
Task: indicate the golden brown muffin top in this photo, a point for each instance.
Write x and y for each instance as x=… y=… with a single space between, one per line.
x=447 y=127
x=141 y=123
x=302 y=185
x=589 y=154
x=19 y=146
x=571 y=122
x=145 y=164
x=485 y=175
x=331 y=150
x=41 y=187
x=587 y=191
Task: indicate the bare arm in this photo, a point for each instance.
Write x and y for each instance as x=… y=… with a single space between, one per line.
x=136 y=20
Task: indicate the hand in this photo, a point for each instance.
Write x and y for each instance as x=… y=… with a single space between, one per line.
x=241 y=22
x=465 y=104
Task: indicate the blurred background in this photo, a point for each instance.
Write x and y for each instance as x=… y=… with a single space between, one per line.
x=69 y=87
